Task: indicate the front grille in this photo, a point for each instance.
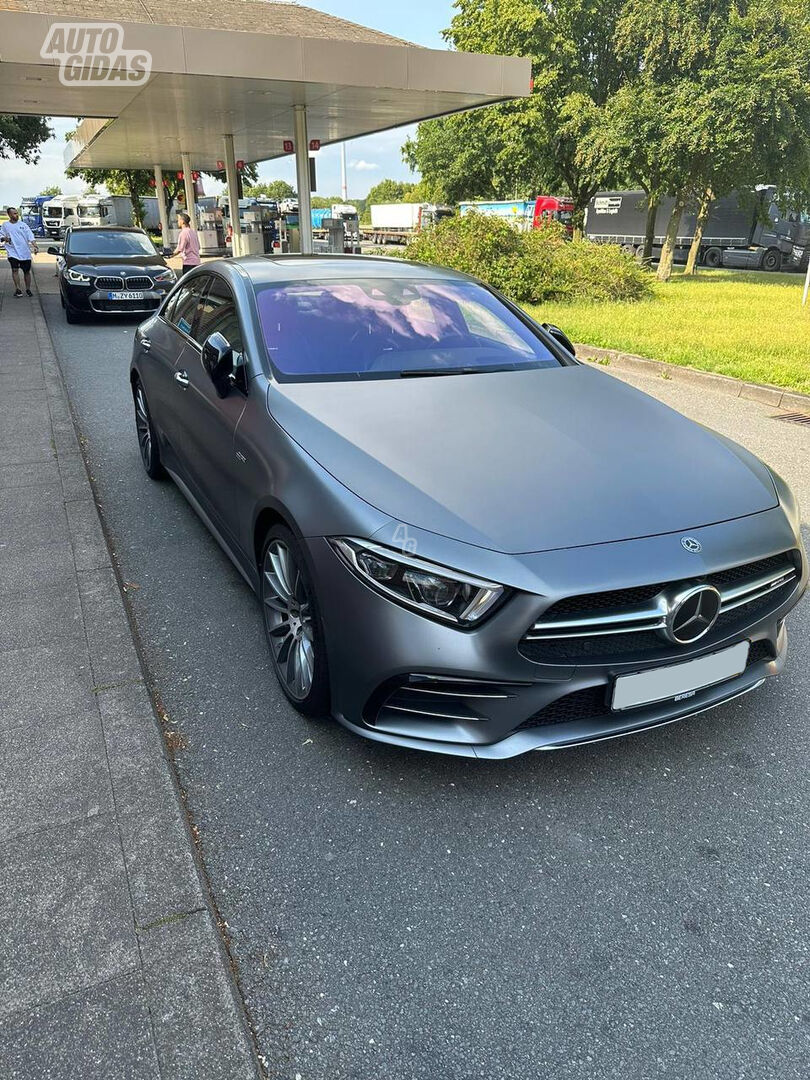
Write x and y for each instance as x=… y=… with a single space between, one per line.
x=625 y=624
x=147 y=304
x=109 y=283
x=141 y=283
x=591 y=703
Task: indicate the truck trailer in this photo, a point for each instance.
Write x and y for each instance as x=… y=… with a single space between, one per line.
x=527 y=214
x=745 y=229
x=396 y=223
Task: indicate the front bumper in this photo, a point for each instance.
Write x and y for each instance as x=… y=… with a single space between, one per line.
x=86 y=298
x=381 y=653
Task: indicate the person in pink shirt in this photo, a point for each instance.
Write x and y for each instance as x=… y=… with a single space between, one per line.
x=188 y=244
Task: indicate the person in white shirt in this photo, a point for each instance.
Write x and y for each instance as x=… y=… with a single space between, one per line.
x=19 y=242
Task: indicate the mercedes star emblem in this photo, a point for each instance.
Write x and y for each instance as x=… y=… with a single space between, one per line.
x=691 y=544
x=692 y=613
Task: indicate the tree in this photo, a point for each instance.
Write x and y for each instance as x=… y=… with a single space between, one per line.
x=51 y=189
x=528 y=146
x=733 y=78
x=272 y=189
x=389 y=191
x=22 y=136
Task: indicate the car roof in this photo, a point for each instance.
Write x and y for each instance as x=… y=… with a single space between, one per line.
x=268 y=269
x=107 y=228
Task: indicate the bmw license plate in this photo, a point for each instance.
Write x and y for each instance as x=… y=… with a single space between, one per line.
x=125 y=295
x=679 y=681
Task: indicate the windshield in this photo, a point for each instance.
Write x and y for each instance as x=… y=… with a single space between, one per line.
x=53 y=211
x=387 y=328
x=110 y=243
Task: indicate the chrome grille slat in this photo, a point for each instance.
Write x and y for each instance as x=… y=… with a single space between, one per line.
x=645 y=618
x=411 y=689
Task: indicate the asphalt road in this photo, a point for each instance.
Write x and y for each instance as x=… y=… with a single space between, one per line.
x=635 y=909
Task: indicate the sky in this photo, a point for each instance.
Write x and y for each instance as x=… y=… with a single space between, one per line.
x=369 y=160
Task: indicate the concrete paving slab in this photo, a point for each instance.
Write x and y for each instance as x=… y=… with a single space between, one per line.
x=42 y=616
x=45 y=681
x=65 y=913
x=54 y=771
x=89 y=545
x=109 y=635
x=192 y=1004
x=20 y=379
x=103 y=1033
x=32 y=448
x=33 y=511
x=33 y=559
x=29 y=474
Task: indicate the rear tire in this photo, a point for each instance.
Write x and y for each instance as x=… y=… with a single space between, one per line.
x=292 y=623
x=147 y=436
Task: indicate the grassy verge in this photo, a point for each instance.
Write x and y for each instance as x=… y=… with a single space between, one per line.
x=749 y=325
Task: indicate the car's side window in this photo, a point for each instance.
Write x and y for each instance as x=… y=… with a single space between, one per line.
x=218 y=315
x=184 y=307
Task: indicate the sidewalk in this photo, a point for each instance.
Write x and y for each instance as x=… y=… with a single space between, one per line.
x=111 y=965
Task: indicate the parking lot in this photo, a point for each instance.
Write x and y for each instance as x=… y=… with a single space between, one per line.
x=631 y=909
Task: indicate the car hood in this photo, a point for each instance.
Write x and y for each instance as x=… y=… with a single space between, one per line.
x=523 y=461
x=89 y=264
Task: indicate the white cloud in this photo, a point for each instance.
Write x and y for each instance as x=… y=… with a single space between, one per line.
x=363 y=166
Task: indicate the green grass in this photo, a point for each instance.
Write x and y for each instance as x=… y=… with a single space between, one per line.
x=749 y=325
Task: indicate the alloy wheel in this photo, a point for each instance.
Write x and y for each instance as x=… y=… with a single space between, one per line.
x=143 y=427
x=288 y=616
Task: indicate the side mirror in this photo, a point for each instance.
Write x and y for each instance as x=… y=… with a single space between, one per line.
x=52 y=250
x=217 y=358
x=560 y=337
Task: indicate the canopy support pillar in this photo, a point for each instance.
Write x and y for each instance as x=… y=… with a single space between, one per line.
x=302 y=176
x=188 y=183
x=233 y=197
x=160 y=193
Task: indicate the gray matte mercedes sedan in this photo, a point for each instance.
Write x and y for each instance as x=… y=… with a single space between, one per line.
x=462 y=539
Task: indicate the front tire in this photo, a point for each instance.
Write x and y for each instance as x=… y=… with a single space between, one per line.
x=147 y=436
x=71 y=315
x=771 y=260
x=292 y=622
x=713 y=258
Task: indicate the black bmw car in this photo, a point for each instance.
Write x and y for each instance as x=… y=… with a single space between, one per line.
x=111 y=270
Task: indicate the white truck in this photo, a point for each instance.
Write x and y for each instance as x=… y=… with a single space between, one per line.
x=395 y=223
x=59 y=214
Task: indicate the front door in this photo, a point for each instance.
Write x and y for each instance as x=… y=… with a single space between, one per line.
x=204 y=422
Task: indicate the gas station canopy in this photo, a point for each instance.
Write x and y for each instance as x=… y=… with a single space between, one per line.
x=237 y=68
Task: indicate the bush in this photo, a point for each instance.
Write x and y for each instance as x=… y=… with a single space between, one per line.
x=531 y=266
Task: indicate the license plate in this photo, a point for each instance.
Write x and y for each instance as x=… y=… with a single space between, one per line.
x=679 y=681
x=125 y=295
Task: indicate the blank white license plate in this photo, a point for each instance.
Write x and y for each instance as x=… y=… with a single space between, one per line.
x=125 y=295
x=679 y=680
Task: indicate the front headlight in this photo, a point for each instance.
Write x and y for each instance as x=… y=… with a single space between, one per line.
x=76 y=278
x=166 y=275
x=433 y=590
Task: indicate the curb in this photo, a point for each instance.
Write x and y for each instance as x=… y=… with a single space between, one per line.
x=200 y=1023
x=724 y=384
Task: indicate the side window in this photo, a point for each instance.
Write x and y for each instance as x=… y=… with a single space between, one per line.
x=184 y=305
x=218 y=315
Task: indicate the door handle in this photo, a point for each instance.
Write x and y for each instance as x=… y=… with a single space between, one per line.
x=146 y=344
x=181 y=377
